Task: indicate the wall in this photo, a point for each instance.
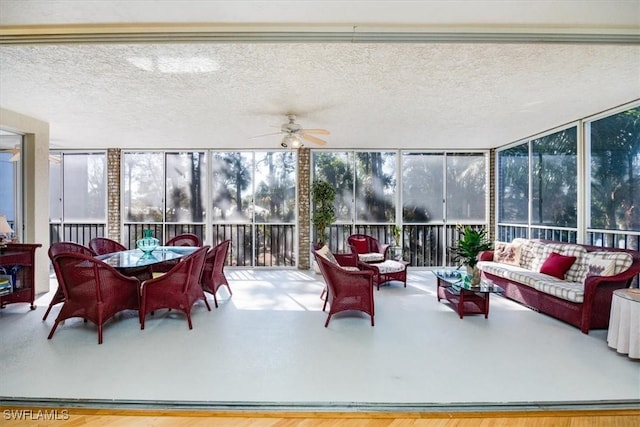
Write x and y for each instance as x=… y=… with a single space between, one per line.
x=36 y=197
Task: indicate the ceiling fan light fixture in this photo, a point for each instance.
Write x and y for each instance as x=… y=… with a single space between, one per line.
x=291 y=140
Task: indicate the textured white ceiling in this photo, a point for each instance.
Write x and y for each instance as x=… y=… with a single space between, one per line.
x=369 y=95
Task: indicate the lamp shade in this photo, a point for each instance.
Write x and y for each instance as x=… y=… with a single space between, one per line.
x=5 y=228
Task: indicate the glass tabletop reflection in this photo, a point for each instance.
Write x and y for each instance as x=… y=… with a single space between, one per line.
x=137 y=258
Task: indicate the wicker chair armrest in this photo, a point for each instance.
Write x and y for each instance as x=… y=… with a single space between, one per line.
x=347 y=259
x=353 y=276
x=384 y=247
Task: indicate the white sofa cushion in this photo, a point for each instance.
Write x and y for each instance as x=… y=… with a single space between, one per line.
x=570 y=291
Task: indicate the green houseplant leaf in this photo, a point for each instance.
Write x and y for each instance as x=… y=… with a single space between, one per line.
x=470 y=244
x=323 y=197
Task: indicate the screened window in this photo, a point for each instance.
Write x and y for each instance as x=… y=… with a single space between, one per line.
x=375 y=192
x=513 y=189
x=275 y=191
x=77 y=196
x=337 y=169
x=615 y=172
x=232 y=186
x=143 y=187
x=185 y=187
x=554 y=179
x=422 y=187
x=466 y=187
x=84 y=178
x=253 y=203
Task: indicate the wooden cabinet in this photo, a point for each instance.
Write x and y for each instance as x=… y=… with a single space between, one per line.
x=19 y=260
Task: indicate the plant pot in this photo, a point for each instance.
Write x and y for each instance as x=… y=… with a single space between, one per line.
x=475 y=275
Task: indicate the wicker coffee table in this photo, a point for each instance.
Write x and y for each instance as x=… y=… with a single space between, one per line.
x=464 y=298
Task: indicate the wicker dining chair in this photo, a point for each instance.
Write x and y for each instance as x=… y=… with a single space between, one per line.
x=178 y=289
x=213 y=273
x=186 y=239
x=104 y=245
x=57 y=249
x=93 y=290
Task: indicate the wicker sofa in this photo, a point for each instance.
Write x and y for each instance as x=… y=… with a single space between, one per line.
x=540 y=274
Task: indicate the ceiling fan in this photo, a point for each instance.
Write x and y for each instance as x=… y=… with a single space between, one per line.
x=294 y=134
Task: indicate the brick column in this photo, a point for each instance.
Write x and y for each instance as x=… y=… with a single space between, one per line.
x=113 y=193
x=304 y=204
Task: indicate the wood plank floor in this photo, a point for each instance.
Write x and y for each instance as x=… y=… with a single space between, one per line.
x=19 y=417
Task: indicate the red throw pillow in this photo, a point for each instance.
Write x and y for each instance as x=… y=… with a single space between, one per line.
x=557 y=265
x=361 y=245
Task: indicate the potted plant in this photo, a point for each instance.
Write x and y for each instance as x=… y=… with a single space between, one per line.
x=470 y=243
x=323 y=196
x=397 y=234
x=395 y=251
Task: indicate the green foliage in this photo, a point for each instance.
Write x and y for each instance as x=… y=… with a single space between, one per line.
x=323 y=197
x=470 y=244
x=397 y=234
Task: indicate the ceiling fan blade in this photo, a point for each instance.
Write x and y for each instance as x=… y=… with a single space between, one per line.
x=266 y=134
x=318 y=131
x=313 y=139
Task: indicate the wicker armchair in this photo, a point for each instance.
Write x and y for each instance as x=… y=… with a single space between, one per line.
x=367 y=248
x=186 y=239
x=213 y=274
x=348 y=261
x=103 y=245
x=347 y=289
x=177 y=289
x=93 y=290
x=57 y=249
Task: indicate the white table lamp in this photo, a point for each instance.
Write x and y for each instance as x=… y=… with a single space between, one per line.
x=5 y=229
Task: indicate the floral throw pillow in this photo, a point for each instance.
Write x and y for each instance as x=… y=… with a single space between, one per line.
x=507 y=253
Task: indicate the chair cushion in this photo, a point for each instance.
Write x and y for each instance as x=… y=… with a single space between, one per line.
x=325 y=253
x=557 y=265
x=371 y=257
x=361 y=245
x=390 y=266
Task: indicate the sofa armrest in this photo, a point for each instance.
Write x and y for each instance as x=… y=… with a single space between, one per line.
x=624 y=279
x=485 y=256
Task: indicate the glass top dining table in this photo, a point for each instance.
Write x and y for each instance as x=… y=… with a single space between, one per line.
x=136 y=258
